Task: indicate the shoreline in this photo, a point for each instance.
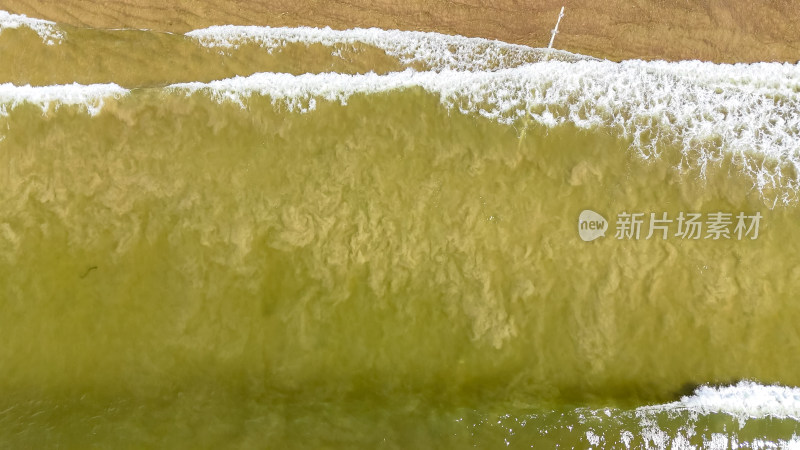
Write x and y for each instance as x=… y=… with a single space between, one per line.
x=716 y=31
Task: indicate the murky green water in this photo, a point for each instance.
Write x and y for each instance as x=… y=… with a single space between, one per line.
x=186 y=268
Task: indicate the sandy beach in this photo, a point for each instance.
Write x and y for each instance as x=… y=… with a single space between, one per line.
x=713 y=30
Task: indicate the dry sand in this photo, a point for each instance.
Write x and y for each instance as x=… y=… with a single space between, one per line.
x=714 y=30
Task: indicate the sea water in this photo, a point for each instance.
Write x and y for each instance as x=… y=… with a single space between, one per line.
x=254 y=237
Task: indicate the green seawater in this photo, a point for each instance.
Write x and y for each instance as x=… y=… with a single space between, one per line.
x=182 y=272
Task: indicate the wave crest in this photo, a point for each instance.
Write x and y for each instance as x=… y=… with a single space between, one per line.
x=47 y=30
x=434 y=51
x=710 y=111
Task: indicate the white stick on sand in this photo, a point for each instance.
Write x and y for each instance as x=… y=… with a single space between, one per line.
x=555 y=30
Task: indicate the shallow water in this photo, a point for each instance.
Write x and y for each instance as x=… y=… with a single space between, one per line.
x=367 y=242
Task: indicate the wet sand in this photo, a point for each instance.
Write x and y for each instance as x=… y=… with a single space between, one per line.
x=713 y=30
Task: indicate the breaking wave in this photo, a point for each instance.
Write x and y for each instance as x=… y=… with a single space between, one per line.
x=745 y=112
x=434 y=51
x=47 y=30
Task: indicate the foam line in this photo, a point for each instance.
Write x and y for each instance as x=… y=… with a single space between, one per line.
x=744 y=400
x=715 y=108
x=90 y=96
x=437 y=51
x=47 y=30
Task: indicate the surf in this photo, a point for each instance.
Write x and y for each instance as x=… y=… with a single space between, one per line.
x=377 y=231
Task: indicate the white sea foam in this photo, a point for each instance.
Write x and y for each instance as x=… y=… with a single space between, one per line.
x=48 y=31
x=435 y=51
x=706 y=109
x=745 y=400
x=90 y=97
x=681 y=425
